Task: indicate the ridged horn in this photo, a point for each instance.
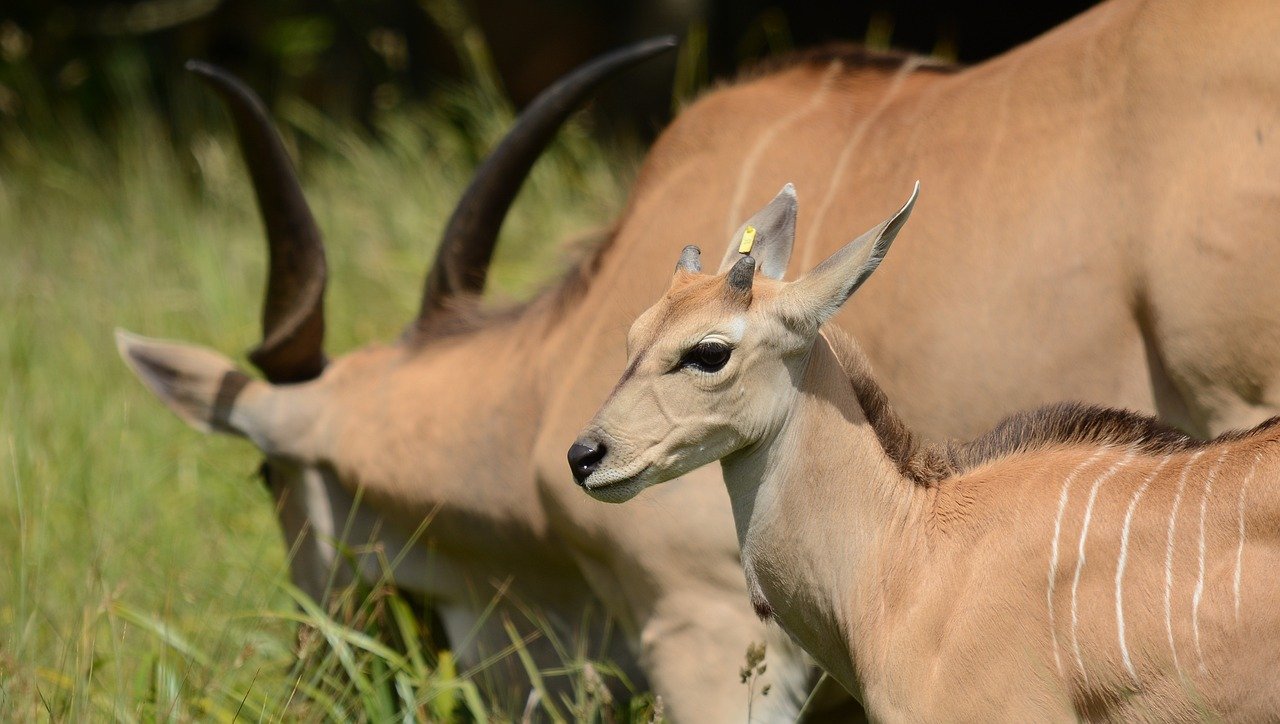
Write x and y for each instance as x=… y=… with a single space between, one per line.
x=468 y=240
x=690 y=260
x=742 y=274
x=292 y=347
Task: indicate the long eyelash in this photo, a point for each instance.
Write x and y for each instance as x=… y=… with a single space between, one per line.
x=686 y=363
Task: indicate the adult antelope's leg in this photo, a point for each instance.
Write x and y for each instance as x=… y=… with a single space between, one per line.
x=1208 y=225
x=695 y=644
x=1216 y=328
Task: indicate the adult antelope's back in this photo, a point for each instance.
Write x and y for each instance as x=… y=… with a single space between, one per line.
x=1094 y=195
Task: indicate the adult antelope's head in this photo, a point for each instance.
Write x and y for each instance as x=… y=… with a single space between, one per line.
x=300 y=416
x=714 y=366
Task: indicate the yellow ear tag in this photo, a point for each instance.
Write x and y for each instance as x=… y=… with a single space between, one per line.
x=748 y=238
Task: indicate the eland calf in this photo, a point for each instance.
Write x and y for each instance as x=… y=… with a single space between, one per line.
x=1073 y=562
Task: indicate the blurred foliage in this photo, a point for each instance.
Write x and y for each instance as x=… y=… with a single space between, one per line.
x=90 y=59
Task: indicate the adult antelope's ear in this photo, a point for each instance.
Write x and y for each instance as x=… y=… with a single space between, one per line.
x=209 y=393
x=817 y=296
x=767 y=236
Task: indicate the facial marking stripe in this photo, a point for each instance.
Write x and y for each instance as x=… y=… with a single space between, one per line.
x=1199 y=590
x=1244 y=488
x=1168 y=558
x=1120 y=565
x=627 y=374
x=1080 y=557
x=1053 y=558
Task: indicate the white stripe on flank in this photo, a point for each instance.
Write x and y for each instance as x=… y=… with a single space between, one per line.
x=1244 y=487
x=747 y=174
x=1168 y=558
x=1084 y=534
x=846 y=153
x=1124 y=558
x=1053 y=559
x=1195 y=597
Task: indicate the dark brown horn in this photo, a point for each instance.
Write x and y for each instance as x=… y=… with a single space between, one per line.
x=690 y=260
x=742 y=274
x=466 y=246
x=292 y=347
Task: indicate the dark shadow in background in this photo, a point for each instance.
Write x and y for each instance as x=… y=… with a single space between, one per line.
x=351 y=58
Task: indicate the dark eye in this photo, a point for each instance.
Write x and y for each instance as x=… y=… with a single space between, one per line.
x=707 y=356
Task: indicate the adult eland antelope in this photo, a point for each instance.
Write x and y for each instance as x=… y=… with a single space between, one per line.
x=322 y=440
x=361 y=450
x=1074 y=562
x=1094 y=195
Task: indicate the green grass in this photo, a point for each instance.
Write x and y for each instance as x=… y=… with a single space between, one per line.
x=143 y=574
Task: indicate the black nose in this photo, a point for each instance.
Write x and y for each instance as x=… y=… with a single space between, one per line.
x=584 y=457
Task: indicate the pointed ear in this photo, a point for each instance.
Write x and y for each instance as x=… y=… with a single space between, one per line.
x=770 y=243
x=201 y=386
x=818 y=295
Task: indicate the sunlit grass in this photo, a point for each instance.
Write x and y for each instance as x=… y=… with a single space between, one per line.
x=144 y=574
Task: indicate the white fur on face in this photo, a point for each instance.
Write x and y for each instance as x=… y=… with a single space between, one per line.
x=736 y=329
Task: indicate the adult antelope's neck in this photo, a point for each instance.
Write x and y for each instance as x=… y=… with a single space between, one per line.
x=823 y=515
x=461 y=412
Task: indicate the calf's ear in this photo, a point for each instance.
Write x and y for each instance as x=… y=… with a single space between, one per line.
x=817 y=296
x=767 y=236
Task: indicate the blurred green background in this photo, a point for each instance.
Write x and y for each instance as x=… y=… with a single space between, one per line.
x=144 y=577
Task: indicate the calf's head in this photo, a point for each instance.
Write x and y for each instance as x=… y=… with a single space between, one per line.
x=714 y=366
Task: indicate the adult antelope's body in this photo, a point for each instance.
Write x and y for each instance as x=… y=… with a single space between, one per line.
x=1097 y=190
x=1075 y=562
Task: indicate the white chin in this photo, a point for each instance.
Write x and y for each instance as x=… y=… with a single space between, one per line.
x=616 y=491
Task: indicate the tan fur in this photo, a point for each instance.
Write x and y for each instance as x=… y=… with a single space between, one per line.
x=972 y=581
x=1064 y=423
x=1094 y=197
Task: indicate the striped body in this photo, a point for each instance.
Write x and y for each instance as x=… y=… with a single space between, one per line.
x=1139 y=586
x=1120 y=577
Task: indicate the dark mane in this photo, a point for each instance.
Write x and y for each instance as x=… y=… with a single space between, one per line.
x=851 y=55
x=1074 y=423
x=1057 y=425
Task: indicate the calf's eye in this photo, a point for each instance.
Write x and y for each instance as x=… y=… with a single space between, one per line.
x=707 y=356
